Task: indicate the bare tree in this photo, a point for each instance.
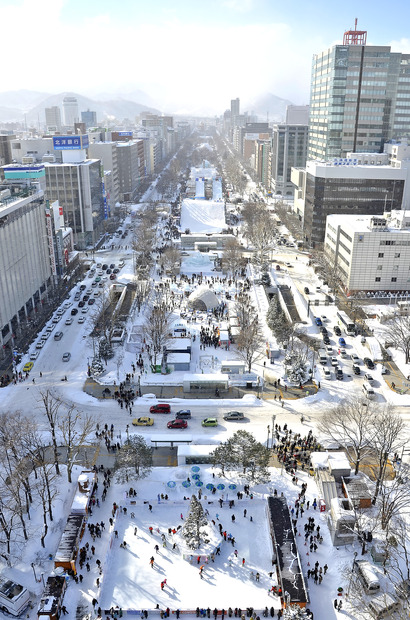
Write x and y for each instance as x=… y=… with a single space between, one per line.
x=350 y=425
x=134 y=460
x=232 y=257
x=398 y=331
x=250 y=340
x=393 y=500
x=260 y=229
x=51 y=405
x=75 y=429
x=142 y=289
x=157 y=329
x=390 y=435
x=170 y=259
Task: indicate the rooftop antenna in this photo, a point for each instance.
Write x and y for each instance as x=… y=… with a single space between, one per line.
x=355 y=37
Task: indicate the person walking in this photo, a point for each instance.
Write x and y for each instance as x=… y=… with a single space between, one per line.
x=243 y=561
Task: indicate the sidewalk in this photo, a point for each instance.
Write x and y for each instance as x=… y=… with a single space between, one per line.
x=93 y=388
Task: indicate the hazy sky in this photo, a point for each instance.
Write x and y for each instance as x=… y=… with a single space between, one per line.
x=187 y=55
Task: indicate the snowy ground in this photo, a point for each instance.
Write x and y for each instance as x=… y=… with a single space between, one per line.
x=128 y=580
x=202 y=216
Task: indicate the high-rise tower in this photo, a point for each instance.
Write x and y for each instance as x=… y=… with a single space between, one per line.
x=359 y=99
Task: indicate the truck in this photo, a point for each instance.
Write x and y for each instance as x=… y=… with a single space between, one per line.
x=14 y=598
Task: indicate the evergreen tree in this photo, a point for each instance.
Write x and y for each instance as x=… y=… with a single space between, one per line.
x=192 y=530
x=134 y=460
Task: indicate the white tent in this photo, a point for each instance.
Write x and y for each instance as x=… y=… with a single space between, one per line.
x=202 y=298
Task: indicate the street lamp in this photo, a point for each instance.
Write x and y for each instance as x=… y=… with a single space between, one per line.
x=267 y=441
x=34 y=571
x=127 y=431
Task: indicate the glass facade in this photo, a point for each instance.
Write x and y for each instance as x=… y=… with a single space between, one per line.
x=360 y=98
x=346 y=196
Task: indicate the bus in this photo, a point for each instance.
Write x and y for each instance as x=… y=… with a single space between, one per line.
x=347 y=323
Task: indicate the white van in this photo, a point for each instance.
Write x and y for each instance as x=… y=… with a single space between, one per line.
x=383 y=605
x=121 y=264
x=14 y=598
x=322 y=356
x=368 y=391
x=367 y=576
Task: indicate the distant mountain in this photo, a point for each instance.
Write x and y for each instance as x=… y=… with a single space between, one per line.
x=35 y=112
x=21 y=99
x=267 y=106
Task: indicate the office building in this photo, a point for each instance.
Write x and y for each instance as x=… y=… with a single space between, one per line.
x=25 y=263
x=345 y=187
x=70 y=110
x=289 y=148
x=360 y=98
x=371 y=253
x=89 y=118
x=5 y=148
x=53 y=119
x=107 y=153
x=34 y=150
x=131 y=170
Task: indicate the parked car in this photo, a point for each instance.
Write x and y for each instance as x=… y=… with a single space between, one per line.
x=69 y=321
x=355 y=358
x=91 y=301
x=334 y=361
x=27 y=367
x=323 y=329
x=339 y=374
x=210 y=422
x=112 y=266
x=369 y=378
x=369 y=363
x=112 y=276
x=34 y=355
x=40 y=344
x=318 y=321
x=234 y=415
x=306 y=290
x=144 y=421
x=81 y=304
x=66 y=357
x=326 y=339
x=160 y=408
x=177 y=424
x=385 y=370
x=74 y=311
x=337 y=330
x=343 y=352
x=81 y=319
x=329 y=350
x=58 y=335
x=183 y=414
x=342 y=342
x=356 y=369
x=326 y=373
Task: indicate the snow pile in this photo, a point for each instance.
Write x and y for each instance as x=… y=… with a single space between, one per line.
x=202 y=216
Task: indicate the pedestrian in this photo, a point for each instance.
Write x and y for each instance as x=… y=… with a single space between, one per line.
x=162 y=585
x=243 y=561
x=257 y=576
x=135 y=531
x=152 y=561
x=150 y=507
x=182 y=516
x=156 y=549
x=64 y=610
x=325 y=569
x=233 y=518
x=177 y=612
x=335 y=603
x=244 y=512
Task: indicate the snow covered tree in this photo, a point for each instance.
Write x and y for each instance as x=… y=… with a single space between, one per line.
x=193 y=529
x=157 y=329
x=277 y=322
x=243 y=452
x=294 y=612
x=134 y=460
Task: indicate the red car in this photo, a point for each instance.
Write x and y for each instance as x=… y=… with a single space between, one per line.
x=160 y=408
x=112 y=276
x=177 y=424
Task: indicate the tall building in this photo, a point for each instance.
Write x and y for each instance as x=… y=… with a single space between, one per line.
x=360 y=189
x=70 y=109
x=25 y=262
x=235 y=110
x=5 y=148
x=371 y=253
x=289 y=148
x=359 y=98
x=89 y=117
x=107 y=152
x=53 y=118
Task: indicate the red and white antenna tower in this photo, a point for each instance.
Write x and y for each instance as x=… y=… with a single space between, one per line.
x=355 y=37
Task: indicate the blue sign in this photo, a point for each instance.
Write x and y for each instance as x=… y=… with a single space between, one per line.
x=70 y=143
x=125 y=133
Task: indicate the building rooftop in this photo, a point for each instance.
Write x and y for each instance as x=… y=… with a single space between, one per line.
x=392 y=222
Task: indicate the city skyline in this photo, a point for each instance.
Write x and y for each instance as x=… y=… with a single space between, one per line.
x=185 y=57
